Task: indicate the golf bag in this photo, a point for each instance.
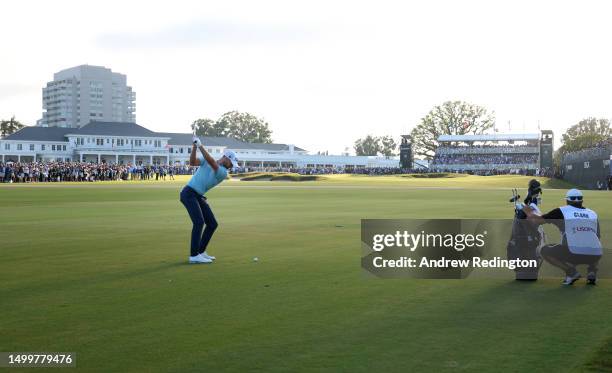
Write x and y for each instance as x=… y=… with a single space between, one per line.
x=526 y=241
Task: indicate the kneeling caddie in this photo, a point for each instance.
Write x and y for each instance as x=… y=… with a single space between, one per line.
x=581 y=234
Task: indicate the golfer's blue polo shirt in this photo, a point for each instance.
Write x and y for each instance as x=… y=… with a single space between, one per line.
x=205 y=178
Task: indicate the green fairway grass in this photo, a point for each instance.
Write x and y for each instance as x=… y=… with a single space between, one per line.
x=100 y=269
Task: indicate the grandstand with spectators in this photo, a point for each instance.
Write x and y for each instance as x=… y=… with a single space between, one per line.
x=590 y=168
x=494 y=153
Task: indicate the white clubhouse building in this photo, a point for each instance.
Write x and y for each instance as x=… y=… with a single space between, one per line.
x=129 y=143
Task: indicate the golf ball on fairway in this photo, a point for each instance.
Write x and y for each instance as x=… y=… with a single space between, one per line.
x=255 y=259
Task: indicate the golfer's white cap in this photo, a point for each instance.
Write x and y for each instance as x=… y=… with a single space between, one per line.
x=573 y=193
x=231 y=155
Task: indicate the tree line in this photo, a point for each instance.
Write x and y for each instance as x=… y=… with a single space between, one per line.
x=587 y=133
x=449 y=118
x=241 y=126
x=463 y=118
x=372 y=145
x=9 y=126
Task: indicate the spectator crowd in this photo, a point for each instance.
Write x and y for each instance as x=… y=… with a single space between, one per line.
x=36 y=172
x=491 y=159
x=603 y=149
x=375 y=171
x=487 y=149
x=33 y=172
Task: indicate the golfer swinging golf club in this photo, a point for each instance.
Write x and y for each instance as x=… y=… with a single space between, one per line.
x=209 y=174
x=581 y=243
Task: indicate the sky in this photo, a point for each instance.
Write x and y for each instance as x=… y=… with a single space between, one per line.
x=321 y=73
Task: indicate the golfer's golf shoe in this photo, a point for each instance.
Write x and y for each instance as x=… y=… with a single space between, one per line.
x=199 y=259
x=208 y=256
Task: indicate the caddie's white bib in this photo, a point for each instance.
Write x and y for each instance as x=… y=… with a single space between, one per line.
x=581 y=230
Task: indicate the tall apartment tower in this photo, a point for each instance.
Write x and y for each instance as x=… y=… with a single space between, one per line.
x=87 y=93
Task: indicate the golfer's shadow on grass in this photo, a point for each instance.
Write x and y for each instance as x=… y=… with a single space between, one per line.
x=161 y=267
x=96 y=278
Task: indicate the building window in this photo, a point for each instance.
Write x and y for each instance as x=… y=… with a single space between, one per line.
x=7 y=146
x=64 y=147
x=32 y=147
x=19 y=146
x=53 y=147
x=181 y=150
x=42 y=147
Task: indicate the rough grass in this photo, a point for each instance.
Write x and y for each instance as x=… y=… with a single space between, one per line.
x=440 y=180
x=277 y=176
x=434 y=175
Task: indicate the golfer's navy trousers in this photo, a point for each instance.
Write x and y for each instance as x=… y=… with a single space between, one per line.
x=200 y=214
